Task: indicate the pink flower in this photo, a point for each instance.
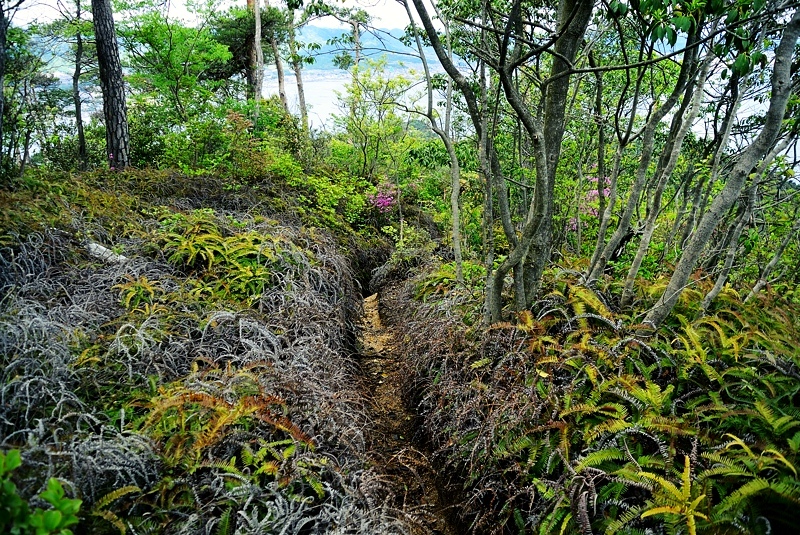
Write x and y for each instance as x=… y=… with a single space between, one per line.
x=384 y=200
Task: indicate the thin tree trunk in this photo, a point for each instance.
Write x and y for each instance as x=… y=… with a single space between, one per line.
x=356 y=41
x=26 y=154
x=574 y=15
x=693 y=215
x=623 y=138
x=76 y=96
x=114 y=107
x=255 y=55
x=648 y=146
x=733 y=244
x=681 y=123
x=281 y=76
x=702 y=195
x=763 y=278
x=683 y=211
x=297 y=67
x=781 y=91
x=601 y=143
x=478 y=121
x=492 y=305
x=730 y=256
x=443 y=131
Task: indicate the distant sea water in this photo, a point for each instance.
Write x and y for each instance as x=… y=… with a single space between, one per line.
x=323 y=87
x=320 y=87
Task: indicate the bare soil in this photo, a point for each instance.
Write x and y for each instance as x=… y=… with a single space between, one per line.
x=406 y=465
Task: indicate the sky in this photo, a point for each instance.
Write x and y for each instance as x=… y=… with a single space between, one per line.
x=388 y=14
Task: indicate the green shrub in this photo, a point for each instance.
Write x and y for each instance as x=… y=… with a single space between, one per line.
x=17 y=518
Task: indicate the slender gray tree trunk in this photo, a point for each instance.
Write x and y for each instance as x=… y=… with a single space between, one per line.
x=763 y=278
x=703 y=194
x=733 y=243
x=648 y=147
x=255 y=55
x=297 y=67
x=680 y=127
x=281 y=75
x=781 y=91
x=730 y=256
x=443 y=131
x=575 y=15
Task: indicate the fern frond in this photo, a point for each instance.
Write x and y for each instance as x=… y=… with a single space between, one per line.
x=224 y=526
x=599 y=457
x=737 y=498
x=583 y=294
x=112 y=519
x=107 y=499
x=624 y=519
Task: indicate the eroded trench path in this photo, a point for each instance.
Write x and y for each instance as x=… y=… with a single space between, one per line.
x=404 y=463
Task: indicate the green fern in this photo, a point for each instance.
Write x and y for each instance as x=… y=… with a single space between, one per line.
x=597 y=458
x=225 y=526
x=683 y=502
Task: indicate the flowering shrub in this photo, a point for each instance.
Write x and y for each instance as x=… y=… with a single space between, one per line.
x=385 y=198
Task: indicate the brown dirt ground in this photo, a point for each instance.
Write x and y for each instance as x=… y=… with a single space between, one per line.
x=406 y=464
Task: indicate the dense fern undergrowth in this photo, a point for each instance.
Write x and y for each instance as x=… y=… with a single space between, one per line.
x=202 y=382
x=197 y=375
x=574 y=419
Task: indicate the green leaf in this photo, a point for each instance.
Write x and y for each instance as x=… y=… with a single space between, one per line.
x=9 y=462
x=741 y=65
x=682 y=23
x=666 y=509
x=51 y=520
x=54 y=492
x=672 y=36
x=659 y=32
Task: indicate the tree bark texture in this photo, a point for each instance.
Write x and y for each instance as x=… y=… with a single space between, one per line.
x=297 y=67
x=114 y=108
x=255 y=55
x=573 y=16
x=281 y=75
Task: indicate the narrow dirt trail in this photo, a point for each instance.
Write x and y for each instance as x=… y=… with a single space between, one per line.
x=407 y=467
